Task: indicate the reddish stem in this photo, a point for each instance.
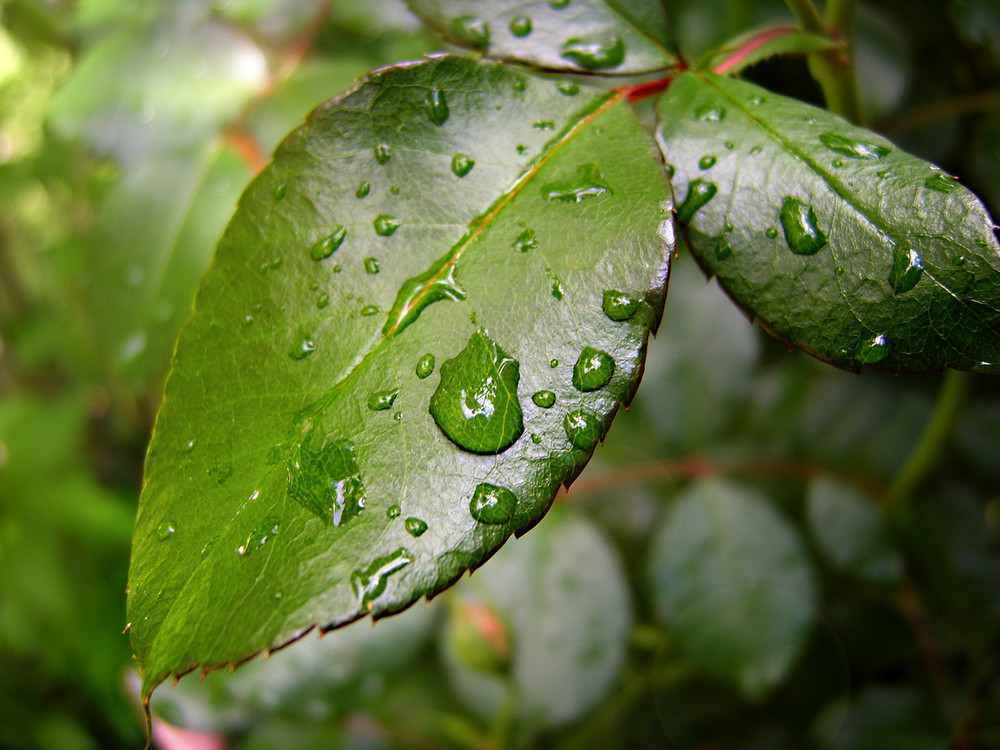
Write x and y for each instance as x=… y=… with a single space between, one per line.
x=740 y=54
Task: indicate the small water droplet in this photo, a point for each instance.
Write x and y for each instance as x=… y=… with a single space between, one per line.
x=371 y=265
x=588 y=183
x=393 y=511
x=755 y=150
x=711 y=113
x=398 y=416
x=247 y=321
x=544 y=399
x=279 y=190
x=329 y=244
x=941 y=182
x=699 y=193
x=302 y=348
x=801 y=227
x=337 y=269
x=907 y=268
x=536 y=439
x=958 y=260
x=723 y=250
x=583 y=428
x=382 y=400
x=221 y=473
x=322 y=300
x=383 y=153
x=730 y=145
x=369 y=310
x=276 y=263
x=259 y=537
x=520 y=25
x=594 y=54
x=619 y=305
x=593 y=369
x=707 y=161
x=437 y=106
x=771 y=232
x=757 y=101
x=553 y=363
x=839 y=270
x=521 y=148
x=568 y=88
x=520 y=83
x=470 y=30
x=414 y=526
x=475 y=403
x=544 y=125
x=425 y=366
x=385 y=225
x=491 y=504
x=166 y=530
x=872 y=351
x=394 y=189
x=462 y=164
x=189 y=445
x=837 y=163
x=363 y=189
x=558 y=4
x=557 y=288
x=371 y=582
x=855 y=148
x=326 y=481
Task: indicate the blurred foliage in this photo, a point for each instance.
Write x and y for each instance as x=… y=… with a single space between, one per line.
x=727 y=573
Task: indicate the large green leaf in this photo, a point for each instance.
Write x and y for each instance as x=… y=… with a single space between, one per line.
x=836 y=240
x=452 y=237
x=595 y=36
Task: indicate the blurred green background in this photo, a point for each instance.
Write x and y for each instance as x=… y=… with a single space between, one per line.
x=726 y=573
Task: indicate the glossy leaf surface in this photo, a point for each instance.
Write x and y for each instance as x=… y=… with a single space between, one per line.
x=297 y=476
x=838 y=241
x=593 y=36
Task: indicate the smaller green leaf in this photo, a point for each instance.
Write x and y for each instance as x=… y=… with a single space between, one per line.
x=756 y=46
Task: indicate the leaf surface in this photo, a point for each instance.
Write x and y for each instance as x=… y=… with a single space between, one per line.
x=447 y=238
x=590 y=36
x=835 y=239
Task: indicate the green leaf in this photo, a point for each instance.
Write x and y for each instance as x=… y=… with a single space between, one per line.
x=591 y=36
x=732 y=581
x=296 y=476
x=835 y=239
x=756 y=46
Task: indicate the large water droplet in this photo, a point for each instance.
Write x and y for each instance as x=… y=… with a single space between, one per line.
x=873 y=350
x=382 y=400
x=594 y=54
x=437 y=106
x=475 y=403
x=544 y=399
x=425 y=366
x=941 y=182
x=491 y=504
x=583 y=428
x=302 y=348
x=711 y=113
x=854 y=147
x=435 y=284
x=593 y=369
x=907 y=268
x=329 y=244
x=326 y=481
x=470 y=30
x=166 y=530
x=383 y=153
x=520 y=25
x=363 y=189
x=619 y=305
x=371 y=265
x=588 y=183
x=259 y=536
x=370 y=582
x=526 y=241
x=385 y=225
x=462 y=164
x=414 y=526
x=802 y=232
x=699 y=193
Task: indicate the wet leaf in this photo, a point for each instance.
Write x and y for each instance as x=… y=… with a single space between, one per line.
x=269 y=460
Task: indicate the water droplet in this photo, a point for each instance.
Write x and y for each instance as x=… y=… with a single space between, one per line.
x=707 y=161
x=619 y=305
x=382 y=153
x=583 y=428
x=837 y=163
x=326 y=481
x=247 y=321
x=371 y=265
x=855 y=148
x=520 y=83
x=711 y=113
x=757 y=101
x=839 y=270
x=189 y=445
x=723 y=250
x=462 y=164
x=369 y=310
x=544 y=399
x=730 y=145
x=526 y=241
x=755 y=150
x=414 y=526
x=393 y=511
x=166 y=530
x=491 y=504
x=279 y=190
x=363 y=189
x=385 y=225
x=521 y=148
x=558 y=4
x=771 y=232
x=557 y=288
x=221 y=473
x=329 y=244
x=276 y=263
x=520 y=25
x=302 y=348
x=872 y=351
x=475 y=403
x=370 y=582
x=802 y=232
x=699 y=193
x=259 y=537
x=394 y=189
x=569 y=88
x=470 y=30
x=593 y=369
x=416 y=294
x=671 y=170
x=398 y=416
x=907 y=268
x=437 y=106
x=594 y=54
x=553 y=363
x=425 y=366
x=588 y=183
x=322 y=300
x=536 y=439
x=941 y=182
x=336 y=269
x=382 y=400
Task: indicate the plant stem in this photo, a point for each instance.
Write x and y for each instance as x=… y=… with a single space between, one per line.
x=928 y=449
x=840 y=16
x=809 y=17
